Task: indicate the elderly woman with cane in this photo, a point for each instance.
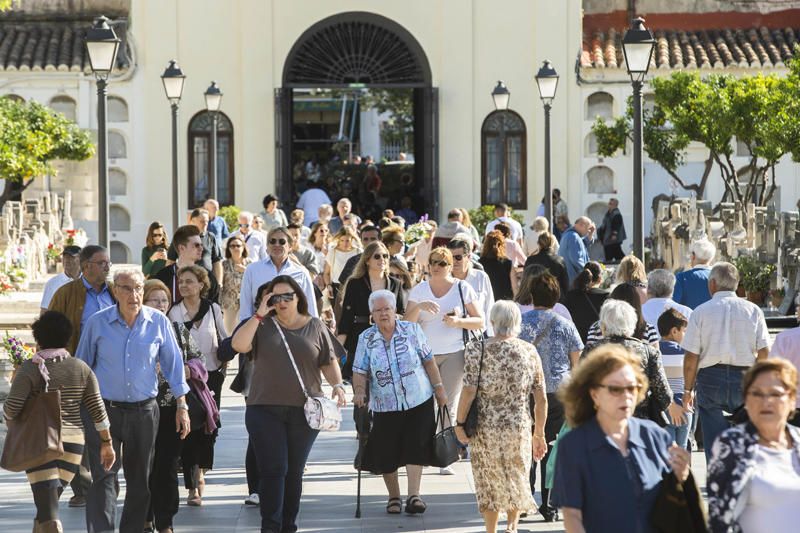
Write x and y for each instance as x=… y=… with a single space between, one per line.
x=393 y=358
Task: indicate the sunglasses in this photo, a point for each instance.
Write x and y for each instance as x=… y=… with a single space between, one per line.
x=280 y=298
x=278 y=241
x=617 y=390
x=458 y=257
x=443 y=264
x=244 y=225
x=378 y=257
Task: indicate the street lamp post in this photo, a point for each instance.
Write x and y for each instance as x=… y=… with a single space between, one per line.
x=637 y=46
x=101 y=46
x=501 y=95
x=173 y=79
x=547 y=82
x=213 y=101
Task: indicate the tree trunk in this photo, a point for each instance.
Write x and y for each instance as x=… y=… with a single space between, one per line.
x=13 y=191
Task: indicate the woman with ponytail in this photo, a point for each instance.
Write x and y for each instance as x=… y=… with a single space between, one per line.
x=586 y=297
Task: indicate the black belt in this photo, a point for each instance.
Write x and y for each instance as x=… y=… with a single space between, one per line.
x=129 y=405
x=732 y=367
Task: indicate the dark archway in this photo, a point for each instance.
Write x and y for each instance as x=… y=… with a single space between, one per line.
x=360 y=50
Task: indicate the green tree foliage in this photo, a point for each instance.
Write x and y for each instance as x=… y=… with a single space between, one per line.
x=230 y=214
x=484 y=214
x=398 y=102
x=759 y=111
x=31 y=137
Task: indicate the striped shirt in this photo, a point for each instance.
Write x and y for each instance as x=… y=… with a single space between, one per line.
x=78 y=387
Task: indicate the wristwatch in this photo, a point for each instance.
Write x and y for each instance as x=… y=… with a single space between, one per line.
x=339 y=386
x=183 y=405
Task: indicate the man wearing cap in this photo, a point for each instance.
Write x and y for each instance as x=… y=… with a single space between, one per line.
x=71 y=263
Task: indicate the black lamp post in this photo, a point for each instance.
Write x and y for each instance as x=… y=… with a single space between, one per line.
x=173 y=79
x=547 y=81
x=637 y=46
x=101 y=46
x=501 y=95
x=213 y=101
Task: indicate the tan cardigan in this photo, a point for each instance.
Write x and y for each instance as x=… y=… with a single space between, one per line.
x=70 y=299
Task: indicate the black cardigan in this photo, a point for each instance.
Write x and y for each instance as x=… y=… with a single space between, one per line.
x=355 y=309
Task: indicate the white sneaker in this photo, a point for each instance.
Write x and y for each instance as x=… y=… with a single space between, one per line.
x=252 y=500
x=447 y=471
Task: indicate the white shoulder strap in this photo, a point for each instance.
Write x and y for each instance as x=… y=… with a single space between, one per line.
x=291 y=357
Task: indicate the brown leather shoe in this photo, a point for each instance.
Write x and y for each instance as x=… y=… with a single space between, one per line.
x=77 y=501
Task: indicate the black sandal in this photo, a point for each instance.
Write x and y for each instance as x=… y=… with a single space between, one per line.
x=415 y=505
x=394 y=506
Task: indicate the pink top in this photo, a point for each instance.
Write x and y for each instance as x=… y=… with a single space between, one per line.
x=787 y=346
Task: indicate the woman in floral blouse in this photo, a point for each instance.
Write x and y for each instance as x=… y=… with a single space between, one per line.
x=394 y=360
x=233 y=268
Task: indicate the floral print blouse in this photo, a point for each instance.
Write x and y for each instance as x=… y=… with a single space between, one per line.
x=189 y=350
x=231 y=283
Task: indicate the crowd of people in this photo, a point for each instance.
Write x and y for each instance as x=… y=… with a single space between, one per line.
x=536 y=352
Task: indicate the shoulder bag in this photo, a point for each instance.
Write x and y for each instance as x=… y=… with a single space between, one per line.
x=34 y=437
x=679 y=506
x=321 y=413
x=444 y=450
x=471 y=423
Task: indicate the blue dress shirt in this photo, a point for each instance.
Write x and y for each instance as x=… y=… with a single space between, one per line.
x=264 y=271
x=572 y=248
x=614 y=493
x=95 y=301
x=691 y=287
x=124 y=359
x=218 y=228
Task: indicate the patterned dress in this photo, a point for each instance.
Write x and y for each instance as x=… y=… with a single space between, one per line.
x=501 y=448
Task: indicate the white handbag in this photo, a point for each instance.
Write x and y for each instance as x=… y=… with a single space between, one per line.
x=321 y=413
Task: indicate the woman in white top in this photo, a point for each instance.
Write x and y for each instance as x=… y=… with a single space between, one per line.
x=203 y=318
x=437 y=306
x=345 y=245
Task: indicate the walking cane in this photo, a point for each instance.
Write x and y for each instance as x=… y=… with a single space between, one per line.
x=361 y=416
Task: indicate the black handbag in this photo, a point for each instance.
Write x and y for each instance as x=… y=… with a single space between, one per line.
x=444 y=451
x=678 y=506
x=197 y=411
x=471 y=423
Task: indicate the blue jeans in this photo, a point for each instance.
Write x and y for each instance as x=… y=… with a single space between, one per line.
x=680 y=434
x=281 y=440
x=719 y=388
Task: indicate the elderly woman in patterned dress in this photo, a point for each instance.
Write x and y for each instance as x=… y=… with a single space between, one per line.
x=501 y=448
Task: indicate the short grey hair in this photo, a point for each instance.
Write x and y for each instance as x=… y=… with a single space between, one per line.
x=617 y=318
x=247 y=215
x=540 y=224
x=660 y=283
x=132 y=273
x=703 y=250
x=382 y=294
x=725 y=275
x=506 y=318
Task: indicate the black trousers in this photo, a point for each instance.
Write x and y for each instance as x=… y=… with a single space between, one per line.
x=45 y=497
x=613 y=252
x=133 y=431
x=164 y=497
x=198 y=450
x=555 y=419
x=83 y=478
x=251 y=468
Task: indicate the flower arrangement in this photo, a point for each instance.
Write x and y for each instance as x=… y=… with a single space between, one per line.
x=76 y=237
x=17 y=275
x=5 y=284
x=418 y=231
x=17 y=352
x=53 y=252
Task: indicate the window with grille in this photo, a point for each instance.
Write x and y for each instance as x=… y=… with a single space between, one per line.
x=504 y=177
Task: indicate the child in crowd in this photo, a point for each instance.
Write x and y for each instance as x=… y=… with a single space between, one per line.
x=296 y=217
x=671 y=327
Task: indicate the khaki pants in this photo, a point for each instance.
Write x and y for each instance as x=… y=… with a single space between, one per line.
x=451 y=369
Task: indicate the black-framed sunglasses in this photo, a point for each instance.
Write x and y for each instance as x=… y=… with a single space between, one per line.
x=617 y=390
x=443 y=264
x=282 y=242
x=378 y=257
x=280 y=298
x=458 y=257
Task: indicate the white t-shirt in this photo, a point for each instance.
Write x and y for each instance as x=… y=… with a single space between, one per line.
x=516 y=228
x=772 y=493
x=480 y=282
x=309 y=202
x=441 y=338
x=50 y=288
x=337 y=259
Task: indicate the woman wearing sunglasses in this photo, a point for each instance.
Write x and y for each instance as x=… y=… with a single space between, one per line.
x=610 y=467
x=274 y=417
x=371 y=274
x=444 y=307
x=233 y=267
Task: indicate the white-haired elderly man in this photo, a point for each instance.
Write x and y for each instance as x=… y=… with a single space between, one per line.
x=575 y=246
x=254 y=240
x=124 y=344
x=691 y=286
x=660 y=287
x=725 y=336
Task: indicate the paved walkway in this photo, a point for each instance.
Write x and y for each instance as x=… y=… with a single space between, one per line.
x=328 y=498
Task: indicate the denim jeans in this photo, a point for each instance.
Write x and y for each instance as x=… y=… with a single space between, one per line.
x=680 y=434
x=719 y=388
x=282 y=441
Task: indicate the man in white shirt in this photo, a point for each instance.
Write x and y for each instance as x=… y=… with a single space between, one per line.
x=310 y=201
x=70 y=260
x=254 y=240
x=725 y=336
x=503 y=214
x=477 y=279
x=660 y=284
x=276 y=264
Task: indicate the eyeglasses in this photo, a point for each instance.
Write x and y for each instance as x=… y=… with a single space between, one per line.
x=278 y=241
x=458 y=257
x=768 y=396
x=244 y=225
x=618 y=390
x=101 y=264
x=197 y=244
x=130 y=290
x=279 y=298
x=378 y=257
x=443 y=264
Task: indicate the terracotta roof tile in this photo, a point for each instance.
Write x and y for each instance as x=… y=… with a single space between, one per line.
x=51 y=46
x=710 y=48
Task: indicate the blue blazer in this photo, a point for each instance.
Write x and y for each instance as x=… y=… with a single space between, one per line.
x=592 y=475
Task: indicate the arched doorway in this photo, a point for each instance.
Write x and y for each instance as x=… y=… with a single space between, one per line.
x=344 y=54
